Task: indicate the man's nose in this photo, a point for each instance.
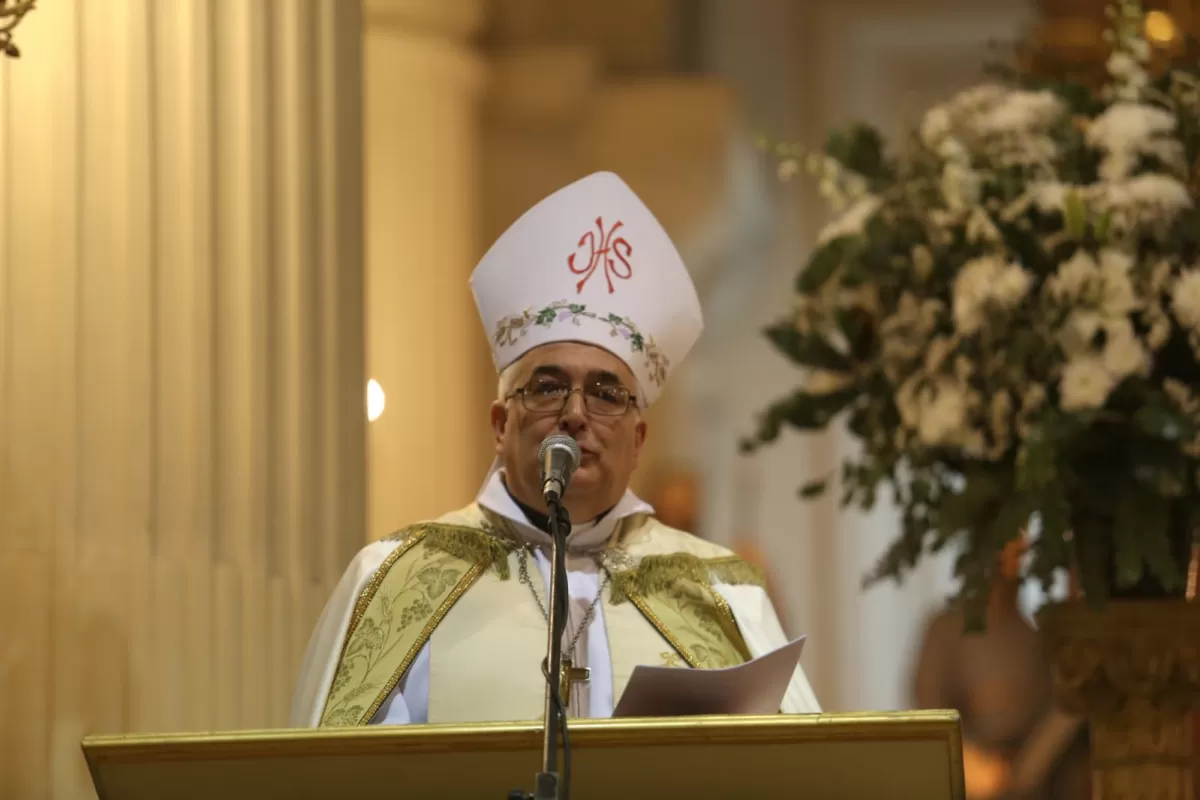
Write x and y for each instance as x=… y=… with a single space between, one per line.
x=574 y=414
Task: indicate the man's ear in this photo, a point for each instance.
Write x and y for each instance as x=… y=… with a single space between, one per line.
x=639 y=438
x=499 y=418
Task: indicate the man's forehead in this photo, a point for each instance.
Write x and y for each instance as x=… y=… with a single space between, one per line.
x=575 y=359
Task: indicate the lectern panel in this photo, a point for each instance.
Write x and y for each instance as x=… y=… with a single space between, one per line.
x=829 y=756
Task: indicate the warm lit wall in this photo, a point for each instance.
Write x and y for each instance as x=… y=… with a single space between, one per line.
x=181 y=380
x=423 y=80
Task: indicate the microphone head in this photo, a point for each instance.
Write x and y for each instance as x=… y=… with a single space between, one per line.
x=560 y=441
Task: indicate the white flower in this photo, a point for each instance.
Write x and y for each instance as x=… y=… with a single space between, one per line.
x=1128 y=126
x=788 y=169
x=1185 y=299
x=1051 y=196
x=935 y=126
x=942 y=413
x=1079 y=332
x=1116 y=289
x=952 y=149
x=977 y=99
x=853 y=222
x=1123 y=353
x=1124 y=131
x=960 y=186
x=1012 y=285
x=1086 y=384
x=983 y=281
x=1021 y=112
x=1073 y=277
x=1150 y=191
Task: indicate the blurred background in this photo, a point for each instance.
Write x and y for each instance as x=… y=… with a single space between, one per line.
x=237 y=341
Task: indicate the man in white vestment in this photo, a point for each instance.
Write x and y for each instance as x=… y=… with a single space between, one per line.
x=589 y=308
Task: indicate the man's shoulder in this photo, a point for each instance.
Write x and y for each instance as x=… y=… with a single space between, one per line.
x=657 y=538
x=375 y=554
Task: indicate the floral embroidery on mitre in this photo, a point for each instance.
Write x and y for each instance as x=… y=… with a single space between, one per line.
x=510 y=329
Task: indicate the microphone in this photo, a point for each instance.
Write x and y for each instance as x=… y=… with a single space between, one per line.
x=559 y=456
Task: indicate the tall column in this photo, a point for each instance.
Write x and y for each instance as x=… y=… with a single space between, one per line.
x=429 y=449
x=181 y=375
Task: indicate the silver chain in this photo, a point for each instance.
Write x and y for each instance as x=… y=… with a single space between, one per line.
x=523 y=575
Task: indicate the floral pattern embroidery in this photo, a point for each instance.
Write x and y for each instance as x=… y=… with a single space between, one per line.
x=510 y=329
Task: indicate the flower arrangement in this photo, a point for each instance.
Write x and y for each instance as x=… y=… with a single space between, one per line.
x=1006 y=315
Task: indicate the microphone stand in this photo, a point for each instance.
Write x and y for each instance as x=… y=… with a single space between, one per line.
x=547 y=783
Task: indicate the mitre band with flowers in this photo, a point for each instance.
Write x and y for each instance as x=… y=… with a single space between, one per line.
x=590 y=264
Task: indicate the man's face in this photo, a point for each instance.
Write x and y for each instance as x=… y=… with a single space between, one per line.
x=610 y=443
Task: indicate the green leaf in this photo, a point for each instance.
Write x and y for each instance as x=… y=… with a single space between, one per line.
x=808 y=351
x=1074 y=215
x=1129 y=528
x=822 y=265
x=1103 y=226
x=1036 y=465
x=1158 y=419
x=856 y=325
x=859 y=147
x=813 y=489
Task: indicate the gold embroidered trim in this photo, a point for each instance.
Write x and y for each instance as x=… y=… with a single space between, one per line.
x=409 y=539
x=472 y=545
x=657 y=573
x=467 y=581
x=728 y=623
x=664 y=631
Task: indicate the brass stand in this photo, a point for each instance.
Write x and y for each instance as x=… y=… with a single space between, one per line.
x=1133 y=670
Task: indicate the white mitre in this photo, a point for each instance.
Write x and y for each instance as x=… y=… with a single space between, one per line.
x=590 y=264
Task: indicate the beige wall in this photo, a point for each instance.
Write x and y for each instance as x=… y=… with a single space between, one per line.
x=181 y=382
x=423 y=83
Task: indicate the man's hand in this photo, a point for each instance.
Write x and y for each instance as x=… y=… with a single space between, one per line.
x=987 y=774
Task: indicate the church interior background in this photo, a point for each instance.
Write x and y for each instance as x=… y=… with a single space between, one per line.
x=219 y=221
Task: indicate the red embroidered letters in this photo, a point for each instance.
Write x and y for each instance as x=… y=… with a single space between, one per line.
x=602 y=248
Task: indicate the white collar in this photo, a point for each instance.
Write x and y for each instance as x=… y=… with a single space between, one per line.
x=495 y=497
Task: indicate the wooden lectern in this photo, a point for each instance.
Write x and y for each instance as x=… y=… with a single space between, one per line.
x=912 y=754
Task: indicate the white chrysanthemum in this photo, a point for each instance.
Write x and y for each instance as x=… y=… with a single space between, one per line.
x=1086 y=384
x=1151 y=192
x=1021 y=112
x=853 y=222
x=935 y=126
x=960 y=186
x=972 y=290
x=1124 y=131
x=977 y=99
x=1073 y=277
x=1185 y=299
x=1116 y=289
x=1012 y=285
x=1125 y=127
x=1123 y=353
x=983 y=281
x=943 y=413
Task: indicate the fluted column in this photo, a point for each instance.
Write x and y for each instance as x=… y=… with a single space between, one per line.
x=181 y=374
x=429 y=449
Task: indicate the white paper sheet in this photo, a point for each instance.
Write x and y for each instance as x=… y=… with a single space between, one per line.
x=756 y=687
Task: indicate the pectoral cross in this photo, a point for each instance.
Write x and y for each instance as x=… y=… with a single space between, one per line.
x=569 y=674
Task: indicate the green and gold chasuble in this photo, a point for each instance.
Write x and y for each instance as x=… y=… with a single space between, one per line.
x=452 y=583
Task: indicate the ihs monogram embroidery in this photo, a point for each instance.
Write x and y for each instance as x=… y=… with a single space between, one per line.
x=601 y=247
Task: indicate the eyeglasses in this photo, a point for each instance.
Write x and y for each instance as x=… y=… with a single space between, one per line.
x=601 y=399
